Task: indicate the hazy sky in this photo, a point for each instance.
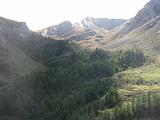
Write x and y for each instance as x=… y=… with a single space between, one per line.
x=42 y=13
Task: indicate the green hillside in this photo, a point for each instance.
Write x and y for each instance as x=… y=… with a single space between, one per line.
x=82 y=84
x=82 y=73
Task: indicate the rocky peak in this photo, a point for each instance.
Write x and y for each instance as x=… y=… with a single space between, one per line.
x=60 y=29
x=88 y=22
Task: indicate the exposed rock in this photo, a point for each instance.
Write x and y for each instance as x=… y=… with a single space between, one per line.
x=150 y=11
x=147 y=37
x=61 y=29
x=105 y=23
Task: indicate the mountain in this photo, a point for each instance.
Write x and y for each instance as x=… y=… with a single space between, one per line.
x=12 y=34
x=146 y=37
x=66 y=28
x=24 y=55
x=104 y=23
x=26 y=59
x=90 y=32
x=148 y=12
x=22 y=52
x=16 y=61
x=62 y=29
x=96 y=32
x=50 y=76
x=141 y=30
x=66 y=31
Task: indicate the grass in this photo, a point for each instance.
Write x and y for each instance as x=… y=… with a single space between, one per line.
x=145 y=75
x=135 y=82
x=131 y=91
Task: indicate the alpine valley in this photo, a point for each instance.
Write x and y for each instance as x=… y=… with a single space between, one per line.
x=95 y=69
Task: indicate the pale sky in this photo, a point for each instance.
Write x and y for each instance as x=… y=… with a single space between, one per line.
x=42 y=13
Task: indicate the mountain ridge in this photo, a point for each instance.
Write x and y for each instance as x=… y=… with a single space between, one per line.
x=47 y=64
x=102 y=23
x=86 y=23
x=148 y=12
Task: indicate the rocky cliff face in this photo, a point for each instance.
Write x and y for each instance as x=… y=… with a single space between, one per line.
x=61 y=29
x=146 y=37
x=104 y=23
x=150 y=11
x=142 y=30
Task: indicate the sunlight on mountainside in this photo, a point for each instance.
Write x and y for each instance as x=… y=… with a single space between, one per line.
x=96 y=68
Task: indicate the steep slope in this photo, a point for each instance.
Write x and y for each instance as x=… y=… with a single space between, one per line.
x=16 y=61
x=62 y=29
x=104 y=23
x=48 y=79
x=150 y=11
x=11 y=33
x=23 y=53
x=146 y=37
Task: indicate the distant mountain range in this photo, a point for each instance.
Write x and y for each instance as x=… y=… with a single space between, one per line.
x=67 y=27
x=102 y=32
x=91 y=32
